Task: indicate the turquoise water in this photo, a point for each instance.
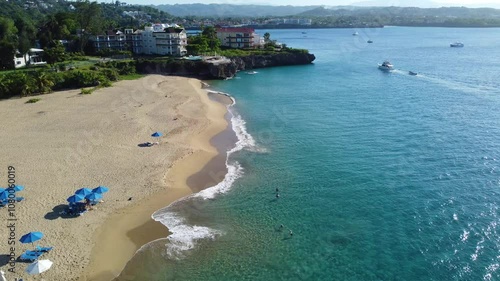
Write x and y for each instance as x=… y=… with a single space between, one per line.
x=381 y=176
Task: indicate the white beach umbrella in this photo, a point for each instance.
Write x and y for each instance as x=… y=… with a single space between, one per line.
x=2 y=276
x=39 y=267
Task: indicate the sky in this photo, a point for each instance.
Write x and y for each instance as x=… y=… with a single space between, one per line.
x=469 y=3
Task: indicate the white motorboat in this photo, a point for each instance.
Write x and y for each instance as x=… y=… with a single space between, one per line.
x=386 y=66
x=252 y=72
x=355 y=34
x=457 y=45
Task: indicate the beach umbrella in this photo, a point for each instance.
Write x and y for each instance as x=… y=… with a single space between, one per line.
x=75 y=198
x=2 y=189
x=100 y=189
x=4 y=195
x=39 y=266
x=17 y=188
x=157 y=135
x=83 y=191
x=31 y=237
x=94 y=196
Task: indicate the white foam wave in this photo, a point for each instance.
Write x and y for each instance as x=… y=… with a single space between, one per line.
x=464 y=236
x=245 y=140
x=234 y=172
x=184 y=236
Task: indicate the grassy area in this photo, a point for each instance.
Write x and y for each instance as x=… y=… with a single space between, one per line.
x=25 y=69
x=131 y=76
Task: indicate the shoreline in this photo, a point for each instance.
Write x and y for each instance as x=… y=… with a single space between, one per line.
x=136 y=223
x=67 y=141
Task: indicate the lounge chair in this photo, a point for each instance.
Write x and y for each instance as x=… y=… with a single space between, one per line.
x=43 y=249
x=19 y=199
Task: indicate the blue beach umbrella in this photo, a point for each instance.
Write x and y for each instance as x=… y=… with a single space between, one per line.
x=2 y=189
x=157 y=134
x=18 y=188
x=31 y=237
x=93 y=196
x=100 y=189
x=4 y=195
x=75 y=198
x=83 y=191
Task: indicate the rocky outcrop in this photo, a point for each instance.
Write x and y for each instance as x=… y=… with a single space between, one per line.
x=222 y=69
x=260 y=61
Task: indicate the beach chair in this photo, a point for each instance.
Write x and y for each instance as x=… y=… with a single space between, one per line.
x=43 y=249
x=19 y=199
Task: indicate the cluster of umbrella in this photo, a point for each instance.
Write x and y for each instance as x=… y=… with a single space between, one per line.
x=4 y=192
x=38 y=266
x=87 y=193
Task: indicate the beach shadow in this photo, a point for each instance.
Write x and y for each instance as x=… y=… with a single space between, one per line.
x=4 y=260
x=56 y=213
x=143 y=145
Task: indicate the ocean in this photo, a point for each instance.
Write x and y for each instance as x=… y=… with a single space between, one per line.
x=380 y=176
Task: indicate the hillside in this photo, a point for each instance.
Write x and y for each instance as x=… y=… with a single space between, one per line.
x=229 y=10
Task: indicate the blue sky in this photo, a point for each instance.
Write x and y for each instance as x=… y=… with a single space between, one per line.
x=317 y=2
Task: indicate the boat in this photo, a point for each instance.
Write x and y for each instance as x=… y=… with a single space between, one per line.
x=355 y=34
x=369 y=41
x=303 y=32
x=457 y=45
x=412 y=73
x=386 y=66
x=252 y=72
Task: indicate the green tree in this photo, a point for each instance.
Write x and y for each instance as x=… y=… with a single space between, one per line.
x=26 y=35
x=210 y=34
x=8 y=43
x=267 y=37
x=90 y=20
x=197 y=45
x=43 y=82
x=55 y=54
x=57 y=27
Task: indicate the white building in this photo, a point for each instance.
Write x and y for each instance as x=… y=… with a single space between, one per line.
x=162 y=39
x=239 y=37
x=159 y=39
x=33 y=57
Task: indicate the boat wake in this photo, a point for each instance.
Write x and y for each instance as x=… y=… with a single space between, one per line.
x=453 y=85
x=185 y=236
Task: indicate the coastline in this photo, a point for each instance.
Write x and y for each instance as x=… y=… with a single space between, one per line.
x=67 y=141
x=131 y=229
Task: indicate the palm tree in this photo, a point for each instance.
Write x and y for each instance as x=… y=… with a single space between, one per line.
x=43 y=82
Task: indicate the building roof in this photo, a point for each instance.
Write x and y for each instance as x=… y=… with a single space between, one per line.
x=236 y=29
x=173 y=30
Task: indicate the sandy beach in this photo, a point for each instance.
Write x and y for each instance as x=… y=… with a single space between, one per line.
x=67 y=141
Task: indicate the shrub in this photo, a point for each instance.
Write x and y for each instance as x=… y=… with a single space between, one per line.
x=110 y=73
x=106 y=84
x=33 y=100
x=87 y=91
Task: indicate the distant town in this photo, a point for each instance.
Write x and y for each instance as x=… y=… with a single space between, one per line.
x=49 y=31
